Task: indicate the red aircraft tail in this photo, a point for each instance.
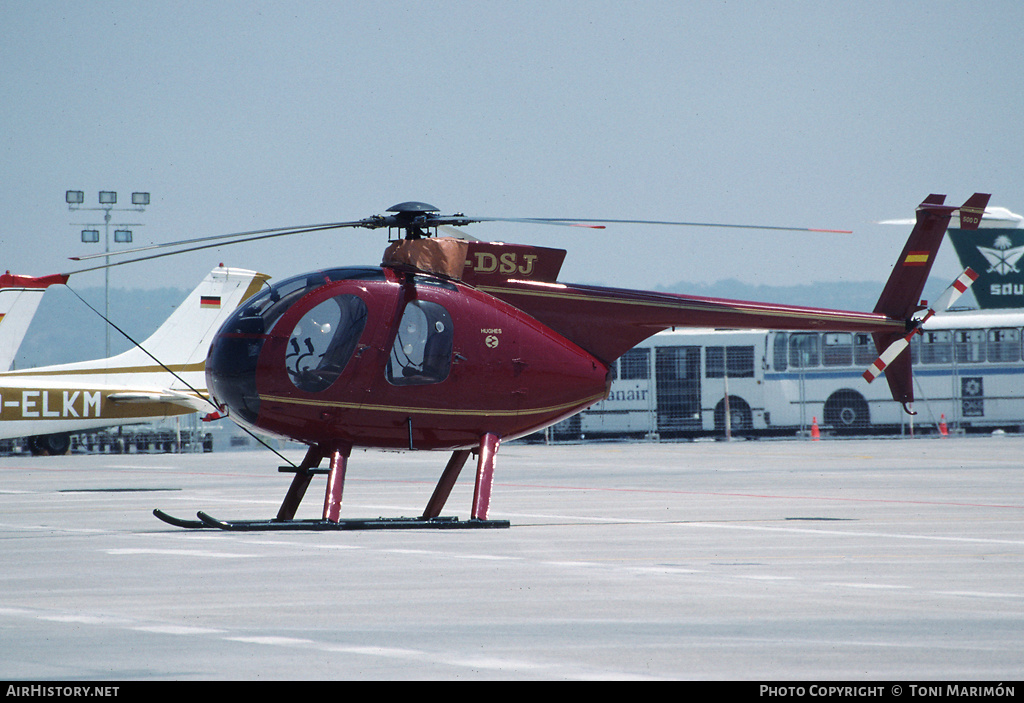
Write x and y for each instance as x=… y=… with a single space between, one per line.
x=900 y=298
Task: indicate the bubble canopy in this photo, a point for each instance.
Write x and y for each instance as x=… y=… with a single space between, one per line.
x=319 y=345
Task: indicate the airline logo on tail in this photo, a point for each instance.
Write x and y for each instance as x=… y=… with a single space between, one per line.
x=1003 y=257
x=996 y=255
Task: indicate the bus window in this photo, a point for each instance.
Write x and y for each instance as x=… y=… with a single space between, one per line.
x=864 y=352
x=740 y=361
x=936 y=347
x=1004 y=344
x=736 y=362
x=837 y=349
x=803 y=349
x=969 y=346
x=779 y=351
x=635 y=365
x=915 y=349
x=677 y=375
x=714 y=364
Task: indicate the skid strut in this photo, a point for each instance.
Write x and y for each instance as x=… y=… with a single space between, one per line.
x=484 y=475
x=330 y=520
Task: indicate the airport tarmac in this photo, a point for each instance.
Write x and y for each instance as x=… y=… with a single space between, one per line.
x=876 y=559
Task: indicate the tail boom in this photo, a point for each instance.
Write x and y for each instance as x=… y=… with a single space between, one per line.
x=608 y=322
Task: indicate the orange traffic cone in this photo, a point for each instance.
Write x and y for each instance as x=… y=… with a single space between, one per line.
x=815 y=432
x=943 y=430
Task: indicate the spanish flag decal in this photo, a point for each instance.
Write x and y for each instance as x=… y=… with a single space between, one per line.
x=916 y=258
x=209 y=301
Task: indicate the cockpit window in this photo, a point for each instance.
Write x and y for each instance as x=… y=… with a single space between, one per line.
x=262 y=311
x=323 y=341
x=422 y=352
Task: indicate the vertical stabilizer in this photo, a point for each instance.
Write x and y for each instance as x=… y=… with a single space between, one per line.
x=902 y=291
x=185 y=337
x=996 y=251
x=19 y=299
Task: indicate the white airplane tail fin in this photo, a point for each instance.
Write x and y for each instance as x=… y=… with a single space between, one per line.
x=19 y=298
x=182 y=341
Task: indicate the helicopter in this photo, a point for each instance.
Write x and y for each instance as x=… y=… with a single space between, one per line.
x=458 y=345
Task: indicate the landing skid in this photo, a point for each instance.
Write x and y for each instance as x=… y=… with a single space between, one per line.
x=338 y=454
x=382 y=523
x=177 y=521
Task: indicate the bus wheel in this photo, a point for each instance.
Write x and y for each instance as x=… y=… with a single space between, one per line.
x=741 y=419
x=846 y=410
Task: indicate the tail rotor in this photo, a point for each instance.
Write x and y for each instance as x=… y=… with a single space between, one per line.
x=897 y=346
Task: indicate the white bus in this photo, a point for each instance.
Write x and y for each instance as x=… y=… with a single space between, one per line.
x=968 y=375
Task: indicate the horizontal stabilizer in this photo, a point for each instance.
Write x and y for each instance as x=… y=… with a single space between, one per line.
x=169 y=397
x=972 y=211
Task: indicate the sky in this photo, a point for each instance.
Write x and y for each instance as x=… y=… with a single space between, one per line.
x=245 y=115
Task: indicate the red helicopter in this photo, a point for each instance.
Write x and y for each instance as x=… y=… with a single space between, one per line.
x=459 y=345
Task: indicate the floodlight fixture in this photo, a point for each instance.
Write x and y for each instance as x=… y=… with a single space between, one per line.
x=90 y=236
x=74 y=197
x=140 y=198
x=108 y=197
x=122 y=236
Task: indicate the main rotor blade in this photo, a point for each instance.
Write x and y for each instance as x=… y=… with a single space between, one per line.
x=584 y=222
x=246 y=236
x=401 y=220
x=457 y=233
x=205 y=246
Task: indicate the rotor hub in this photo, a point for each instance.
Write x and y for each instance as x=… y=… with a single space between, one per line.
x=413 y=217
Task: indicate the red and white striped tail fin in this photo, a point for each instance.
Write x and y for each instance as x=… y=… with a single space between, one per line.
x=19 y=298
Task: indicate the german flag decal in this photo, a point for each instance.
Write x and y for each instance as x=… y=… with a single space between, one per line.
x=916 y=258
x=209 y=301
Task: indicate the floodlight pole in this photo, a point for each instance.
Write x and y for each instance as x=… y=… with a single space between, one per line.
x=108 y=199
